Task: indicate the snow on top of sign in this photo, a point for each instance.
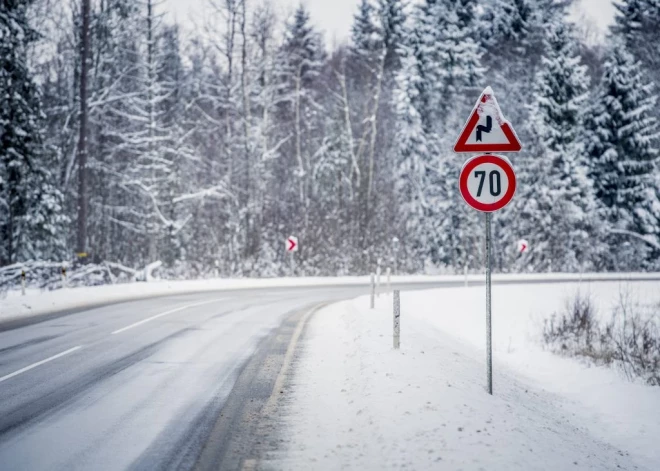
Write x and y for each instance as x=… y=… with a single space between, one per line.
x=488 y=91
x=491 y=107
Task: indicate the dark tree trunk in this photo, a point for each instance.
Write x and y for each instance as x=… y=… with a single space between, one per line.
x=82 y=139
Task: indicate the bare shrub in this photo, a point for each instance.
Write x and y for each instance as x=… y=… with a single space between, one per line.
x=630 y=340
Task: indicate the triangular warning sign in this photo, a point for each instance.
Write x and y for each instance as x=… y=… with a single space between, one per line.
x=486 y=130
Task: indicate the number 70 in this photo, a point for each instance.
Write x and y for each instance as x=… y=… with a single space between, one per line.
x=494 y=180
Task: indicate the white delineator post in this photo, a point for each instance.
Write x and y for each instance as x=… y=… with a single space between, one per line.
x=466 y=275
x=397 y=318
x=389 y=279
x=23 y=282
x=378 y=272
x=373 y=291
x=63 y=276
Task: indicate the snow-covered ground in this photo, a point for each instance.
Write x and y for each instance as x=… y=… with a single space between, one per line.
x=356 y=403
x=13 y=304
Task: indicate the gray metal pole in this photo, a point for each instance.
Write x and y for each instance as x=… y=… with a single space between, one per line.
x=489 y=336
x=397 y=317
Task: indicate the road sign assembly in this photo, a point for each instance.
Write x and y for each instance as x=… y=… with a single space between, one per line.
x=486 y=130
x=487 y=182
x=523 y=245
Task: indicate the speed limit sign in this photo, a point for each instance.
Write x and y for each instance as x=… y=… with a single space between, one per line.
x=487 y=183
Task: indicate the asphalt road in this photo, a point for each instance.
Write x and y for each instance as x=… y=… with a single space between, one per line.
x=181 y=382
x=162 y=383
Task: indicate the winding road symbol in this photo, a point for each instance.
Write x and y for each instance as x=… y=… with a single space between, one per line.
x=487 y=128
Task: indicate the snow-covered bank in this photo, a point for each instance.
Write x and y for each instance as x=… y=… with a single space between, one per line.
x=356 y=403
x=13 y=305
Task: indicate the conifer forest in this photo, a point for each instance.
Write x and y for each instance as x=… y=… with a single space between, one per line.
x=128 y=139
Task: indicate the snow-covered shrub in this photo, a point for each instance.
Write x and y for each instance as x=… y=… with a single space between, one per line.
x=47 y=275
x=630 y=341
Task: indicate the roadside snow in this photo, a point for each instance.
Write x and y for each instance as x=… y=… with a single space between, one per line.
x=14 y=305
x=355 y=403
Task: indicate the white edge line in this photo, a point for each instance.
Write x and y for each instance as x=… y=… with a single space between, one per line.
x=39 y=363
x=172 y=311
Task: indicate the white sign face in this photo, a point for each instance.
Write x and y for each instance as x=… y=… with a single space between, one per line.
x=488 y=129
x=292 y=244
x=523 y=246
x=487 y=182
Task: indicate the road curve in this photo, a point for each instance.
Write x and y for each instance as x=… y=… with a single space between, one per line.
x=175 y=382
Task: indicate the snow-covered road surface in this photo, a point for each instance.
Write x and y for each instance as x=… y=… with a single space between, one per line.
x=139 y=384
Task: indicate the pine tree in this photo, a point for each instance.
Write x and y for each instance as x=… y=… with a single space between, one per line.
x=556 y=205
x=622 y=145
x=413 y=150
x=637 y=24
x=32 y=220
x=303 y=48
x=392 y=18
x=366 y=33
x=441 y=64
x=448 y=58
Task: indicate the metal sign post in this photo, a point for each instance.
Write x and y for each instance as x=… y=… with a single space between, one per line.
x=489 y=329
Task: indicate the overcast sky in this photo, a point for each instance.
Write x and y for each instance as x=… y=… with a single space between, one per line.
x=335 y=16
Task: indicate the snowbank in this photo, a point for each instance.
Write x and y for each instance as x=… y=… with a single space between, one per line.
x=36 y=303
x=356 y=403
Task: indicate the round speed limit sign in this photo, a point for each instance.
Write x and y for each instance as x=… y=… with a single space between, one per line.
x=487 y=183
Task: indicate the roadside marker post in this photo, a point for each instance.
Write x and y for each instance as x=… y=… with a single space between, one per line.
x=487 y=183
x=397 y=318
x=63 y=276
x=388 y=274
x=373 y=291
x=23 y=282
x=395 y=254
x=292 y=247
x=378 y=273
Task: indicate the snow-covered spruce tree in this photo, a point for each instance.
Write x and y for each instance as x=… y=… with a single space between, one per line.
x=459 y=60
x=392 y=19
x=440 y=67
x=555 y=207
x=622 y=148
x=448 y=58
x=512 y=33
x=31 y=219
x=366 y=32
x=637 y=24
x=413 y=152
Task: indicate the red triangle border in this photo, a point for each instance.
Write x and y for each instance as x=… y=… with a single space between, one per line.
x=461 y=145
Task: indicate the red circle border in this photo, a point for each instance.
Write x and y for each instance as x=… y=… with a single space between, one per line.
x=487 y=159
